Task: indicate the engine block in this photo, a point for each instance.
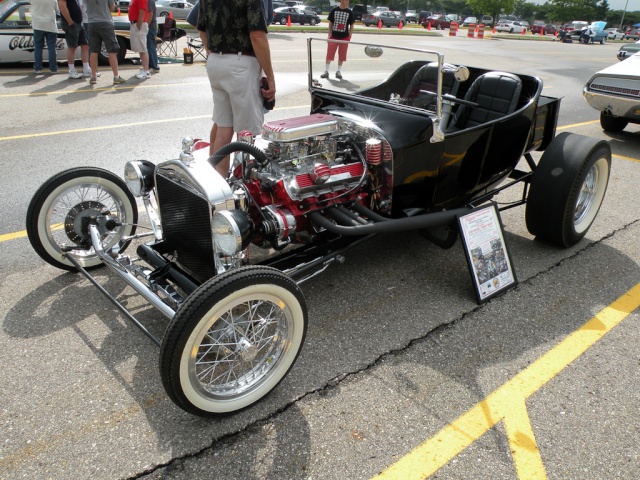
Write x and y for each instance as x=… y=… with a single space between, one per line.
x=312 y=156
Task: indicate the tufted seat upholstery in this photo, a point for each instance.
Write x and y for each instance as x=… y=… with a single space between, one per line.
x=497 y=95
x=426 y=78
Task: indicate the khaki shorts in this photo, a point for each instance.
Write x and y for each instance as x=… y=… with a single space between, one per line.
x=139 y=37
x=235 y=84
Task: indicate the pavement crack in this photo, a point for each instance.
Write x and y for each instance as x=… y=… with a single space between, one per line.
x=429 y=336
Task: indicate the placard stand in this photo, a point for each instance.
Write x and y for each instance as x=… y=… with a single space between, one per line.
x=489 y=261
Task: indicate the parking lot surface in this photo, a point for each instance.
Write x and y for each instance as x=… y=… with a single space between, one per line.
x=403 y=375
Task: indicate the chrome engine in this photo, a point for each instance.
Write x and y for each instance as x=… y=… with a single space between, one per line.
x=299 y=166
x=313 y=156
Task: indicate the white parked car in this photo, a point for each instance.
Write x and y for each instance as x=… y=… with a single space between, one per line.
x=614 y=92
x=509 y=26
x=614 y=34
x=16 y=36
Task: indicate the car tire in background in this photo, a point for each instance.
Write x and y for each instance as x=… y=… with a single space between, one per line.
x=612 y=124
x=567 y=188
x=103 y=55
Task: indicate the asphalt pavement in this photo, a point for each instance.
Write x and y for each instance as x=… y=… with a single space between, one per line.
x=403 y=375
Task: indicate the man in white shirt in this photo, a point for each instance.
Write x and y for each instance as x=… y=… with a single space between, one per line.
x=45 y=28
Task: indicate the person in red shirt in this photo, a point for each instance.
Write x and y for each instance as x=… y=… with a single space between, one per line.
x=139 y=16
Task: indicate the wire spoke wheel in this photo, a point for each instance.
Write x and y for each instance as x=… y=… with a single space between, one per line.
x=233 y=340
x=60 y=211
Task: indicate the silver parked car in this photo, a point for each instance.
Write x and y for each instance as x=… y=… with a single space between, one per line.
x=179 y=10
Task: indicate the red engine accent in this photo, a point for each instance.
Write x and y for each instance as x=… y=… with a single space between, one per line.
x=353 y=169
x=374 y=151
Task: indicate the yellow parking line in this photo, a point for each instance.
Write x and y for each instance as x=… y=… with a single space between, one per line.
x=522 y=442
x=122 y=125
x=12 y=236
x=573 y=125
x=106 y=87
x=627 y=158
x=104 y=127
x=507 y=403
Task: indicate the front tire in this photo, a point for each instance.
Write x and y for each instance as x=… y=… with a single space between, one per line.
x=313 y=22
x=233 y=340
x=283 y=21
x=612 y=124
x=568 y=188
x=58 y=211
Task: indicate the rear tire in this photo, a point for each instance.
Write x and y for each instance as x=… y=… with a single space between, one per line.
x=612 y=124
x=567 y=189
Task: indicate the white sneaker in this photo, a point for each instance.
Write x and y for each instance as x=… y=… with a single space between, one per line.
x=87 y=74
x=142 y=75
x=73 y=74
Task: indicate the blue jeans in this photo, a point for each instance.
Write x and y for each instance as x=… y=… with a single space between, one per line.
x=151 y=48
x=39 y=37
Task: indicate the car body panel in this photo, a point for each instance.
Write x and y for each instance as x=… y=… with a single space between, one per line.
x=628 y=49
x=632 y=32
x=470 y=21
x=510 y=27
x=487 y=20
x=296 y=14
x=439 y=175
x=388 y=18
x=411 y=16
x=616 y=89
x=614 y=34
x=438 y=22
x=178 y=10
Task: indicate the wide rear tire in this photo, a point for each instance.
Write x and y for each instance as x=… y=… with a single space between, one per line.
x=233 y=340
x=58 y=211
x=567 y=189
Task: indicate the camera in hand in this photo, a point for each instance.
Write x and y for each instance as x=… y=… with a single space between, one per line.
x=268 y=104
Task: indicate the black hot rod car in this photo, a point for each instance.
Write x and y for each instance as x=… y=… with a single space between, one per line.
x=414 y=151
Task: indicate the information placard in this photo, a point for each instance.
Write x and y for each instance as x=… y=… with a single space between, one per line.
x=489 y=261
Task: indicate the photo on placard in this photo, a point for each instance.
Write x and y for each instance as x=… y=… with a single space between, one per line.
x=489 y=261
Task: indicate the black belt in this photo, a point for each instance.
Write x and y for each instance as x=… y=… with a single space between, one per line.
x=248 y=54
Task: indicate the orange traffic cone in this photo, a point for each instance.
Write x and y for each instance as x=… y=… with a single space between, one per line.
x=524 y=30
x=400 y=25
x=428 y=25
x=289 y=21
x=493 y=30
x=119 y=14
x=542 y=32
x=170 y=14
x=379 y=23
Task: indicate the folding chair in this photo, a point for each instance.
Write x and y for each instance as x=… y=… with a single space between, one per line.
x=169 y=34
x=196 y=46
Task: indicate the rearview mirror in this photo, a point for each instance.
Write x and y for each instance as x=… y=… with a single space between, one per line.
x=461 y=74
x=373 y=51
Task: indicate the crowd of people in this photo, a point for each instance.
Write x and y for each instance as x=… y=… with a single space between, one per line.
x=234 y=33
x=88 y=24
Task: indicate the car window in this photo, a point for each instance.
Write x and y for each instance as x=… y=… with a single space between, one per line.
x=20 y=16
